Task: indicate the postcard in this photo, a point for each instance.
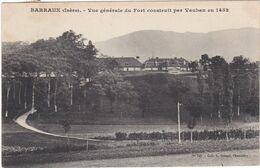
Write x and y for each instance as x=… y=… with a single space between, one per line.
x=130 y=84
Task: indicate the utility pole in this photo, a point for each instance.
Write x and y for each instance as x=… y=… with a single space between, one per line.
x=179 y=122
x=238 y=105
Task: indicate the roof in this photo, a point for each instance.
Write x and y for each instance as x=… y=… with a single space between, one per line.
x=169 y=62
x=124 y=61
x=128 y=62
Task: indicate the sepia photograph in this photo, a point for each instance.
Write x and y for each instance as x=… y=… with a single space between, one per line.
x=130 y=84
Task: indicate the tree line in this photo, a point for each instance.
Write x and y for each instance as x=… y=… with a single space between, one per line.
x=73 y=82
x=59 y=75
x=66 y=62
x=233 y=88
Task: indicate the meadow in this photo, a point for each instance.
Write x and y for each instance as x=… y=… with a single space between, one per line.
x=21 y=146
x=110 y=129
x=120 y=150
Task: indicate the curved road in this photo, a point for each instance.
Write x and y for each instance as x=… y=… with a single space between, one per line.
x=21 y=120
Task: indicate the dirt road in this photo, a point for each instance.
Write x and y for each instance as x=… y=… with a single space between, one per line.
x=228 y=158
x=22 y=121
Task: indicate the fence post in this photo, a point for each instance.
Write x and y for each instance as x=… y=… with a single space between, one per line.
x=191 y=140
x=87 y=144
x=179 y=123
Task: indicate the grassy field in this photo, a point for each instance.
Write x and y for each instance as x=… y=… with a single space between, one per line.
x=110 y=130
x=156 y=149
x=17 y=140
x=30 y=147
x=21 y=146
x=224 y=158
x=12 y=127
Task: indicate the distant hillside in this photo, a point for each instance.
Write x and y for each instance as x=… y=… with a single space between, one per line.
x=148 y=43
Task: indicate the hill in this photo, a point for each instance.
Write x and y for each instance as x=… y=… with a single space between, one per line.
x=156 y=43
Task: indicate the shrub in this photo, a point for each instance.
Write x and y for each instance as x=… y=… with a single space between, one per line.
x=155 y=135
x=197 y=135
x=251 y=133
x=121 y=136
x=169 y=135
x=133 y=136
x=139 y=136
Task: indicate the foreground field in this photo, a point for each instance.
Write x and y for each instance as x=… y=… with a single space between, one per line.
x=21 y=146
x=227 y=158
x=12 y=128
x=18 y=140
x=132 y=149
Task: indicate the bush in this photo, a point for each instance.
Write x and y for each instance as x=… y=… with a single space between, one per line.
x=186 y=135
x=121 y=136
x=169 y=135
x=138 y=136
x=155 y=135
x=251 y=133
x=237 y=134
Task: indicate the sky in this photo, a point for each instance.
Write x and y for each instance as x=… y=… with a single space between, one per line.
x=19 y=24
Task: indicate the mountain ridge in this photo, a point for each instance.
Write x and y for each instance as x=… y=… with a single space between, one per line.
x=189 y=45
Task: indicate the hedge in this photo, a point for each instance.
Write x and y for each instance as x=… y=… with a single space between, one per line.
x=121 y=136
x=186 y=135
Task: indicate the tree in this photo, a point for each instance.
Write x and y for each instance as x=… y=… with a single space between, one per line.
x=205 y=61
x=239 y=63
x=228 y=97
x=66 y=126
x=69 y=56
x=177 y=89
x=114 y=88
x=200 y=83
x=249 y=93
x=5 y=84
x=126 y=93
x=242 y=77
x=193 y=66
x=191 y=125
x=145 y=92
x=194 y=104
x=200 y=87
x=227 y=114
x=253 y=104
x=218 y=66
x=17 y=61
x=65 y=57
x=210 y=82
x=107 y=81
x=81 y=57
